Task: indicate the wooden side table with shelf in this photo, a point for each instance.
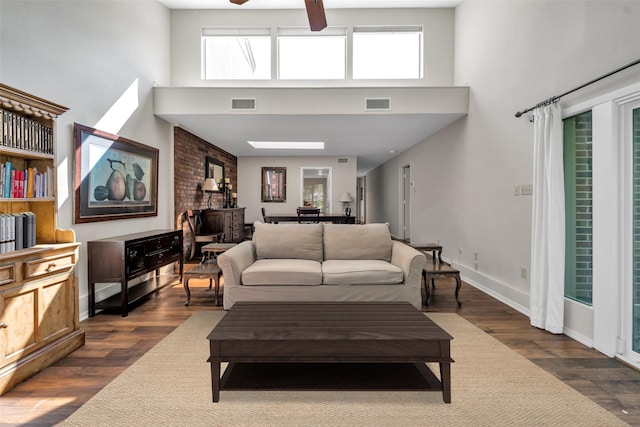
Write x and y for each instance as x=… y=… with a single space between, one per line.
x=435 y=268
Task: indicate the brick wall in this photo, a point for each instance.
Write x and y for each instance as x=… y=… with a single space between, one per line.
x=579 y=207
x=584 y=209
x=190 y=154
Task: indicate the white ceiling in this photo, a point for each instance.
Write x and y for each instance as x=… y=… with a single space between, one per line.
x=373 y=139
x=299 y=4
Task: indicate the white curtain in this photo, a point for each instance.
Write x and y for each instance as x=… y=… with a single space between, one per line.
x=548 y=239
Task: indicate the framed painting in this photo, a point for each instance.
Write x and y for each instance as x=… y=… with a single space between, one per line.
x=274 y=184
x=115 y=177
x=214 y=169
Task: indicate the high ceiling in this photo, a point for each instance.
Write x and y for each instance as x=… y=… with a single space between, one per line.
x=372 y=138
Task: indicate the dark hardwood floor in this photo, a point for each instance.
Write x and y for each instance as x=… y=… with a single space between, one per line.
x=113 y=343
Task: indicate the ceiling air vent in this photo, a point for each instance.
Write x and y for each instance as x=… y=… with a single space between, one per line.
x=377 y=104
x=343 y=160
x=243 y=104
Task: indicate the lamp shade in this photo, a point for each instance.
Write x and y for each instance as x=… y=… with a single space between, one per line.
x=346 y=197
x=209 y=185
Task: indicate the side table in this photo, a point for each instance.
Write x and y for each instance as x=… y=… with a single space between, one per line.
x=215 y=249
x=208 y=269
x=434 y=248
x=433 y=269
x=205 y=270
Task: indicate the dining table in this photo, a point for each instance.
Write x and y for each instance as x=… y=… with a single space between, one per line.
x=293 y=217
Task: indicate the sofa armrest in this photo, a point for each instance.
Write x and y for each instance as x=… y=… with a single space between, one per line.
x=410 y=260
x=234 y=261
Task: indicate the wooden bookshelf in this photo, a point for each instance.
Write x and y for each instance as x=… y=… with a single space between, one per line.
x=39 y=319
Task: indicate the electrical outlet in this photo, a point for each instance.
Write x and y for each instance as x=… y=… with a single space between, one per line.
x=475 y=256
x=516 y=190
x=523 y=272
x=526 y=189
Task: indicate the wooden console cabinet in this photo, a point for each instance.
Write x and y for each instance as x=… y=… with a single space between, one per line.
x=229 y=221
x=124 y=258
x=39 y=322
x=39 y=319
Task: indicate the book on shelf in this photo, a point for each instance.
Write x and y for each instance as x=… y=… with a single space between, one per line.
x=29 y=227
x=18 y=218
x=6 y=189
x=30 y=182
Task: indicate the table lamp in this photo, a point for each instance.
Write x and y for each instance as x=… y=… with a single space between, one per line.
x=346 y=202
x=209 y=186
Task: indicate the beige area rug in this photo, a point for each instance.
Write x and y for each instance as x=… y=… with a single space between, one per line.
x=491 y=386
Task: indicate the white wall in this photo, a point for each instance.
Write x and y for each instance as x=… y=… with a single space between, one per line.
x=85 y=55
x=186 y=31
x=512 y=55
x=250 y=182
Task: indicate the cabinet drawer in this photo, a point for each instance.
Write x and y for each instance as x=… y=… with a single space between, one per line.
x=49 y=265
x=160 y=258
x=158 y=243
x=7 y=274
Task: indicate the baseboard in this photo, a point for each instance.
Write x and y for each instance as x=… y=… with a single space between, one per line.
x=514 y=298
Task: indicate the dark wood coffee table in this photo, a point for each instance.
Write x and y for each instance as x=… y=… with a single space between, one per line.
x=336 y=332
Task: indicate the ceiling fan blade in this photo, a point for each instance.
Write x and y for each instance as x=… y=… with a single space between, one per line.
x=238 y=1
x=315 y=12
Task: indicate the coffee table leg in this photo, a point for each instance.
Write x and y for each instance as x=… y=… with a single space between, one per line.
x=445 y=379
x=215 y=381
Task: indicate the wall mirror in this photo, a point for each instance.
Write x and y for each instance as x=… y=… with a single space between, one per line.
x=274 y=184
x=214 y=168
x=316 y=188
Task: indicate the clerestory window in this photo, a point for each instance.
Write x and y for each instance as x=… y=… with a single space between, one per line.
x=378 y=52
x=236 y=53
x=305 y=55
x=387 y=52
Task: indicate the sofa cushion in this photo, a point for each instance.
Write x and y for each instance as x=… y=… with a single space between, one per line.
x=357 y=241
x=283 y=272
x=361 y=272
x=292 y=241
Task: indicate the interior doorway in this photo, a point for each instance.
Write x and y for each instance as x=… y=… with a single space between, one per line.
x=406 y=203
x=360 y=202
x=316 y=188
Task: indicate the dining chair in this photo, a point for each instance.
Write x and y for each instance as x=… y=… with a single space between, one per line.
x=307 y=214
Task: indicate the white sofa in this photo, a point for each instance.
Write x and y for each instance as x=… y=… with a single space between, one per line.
x=322 y=262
